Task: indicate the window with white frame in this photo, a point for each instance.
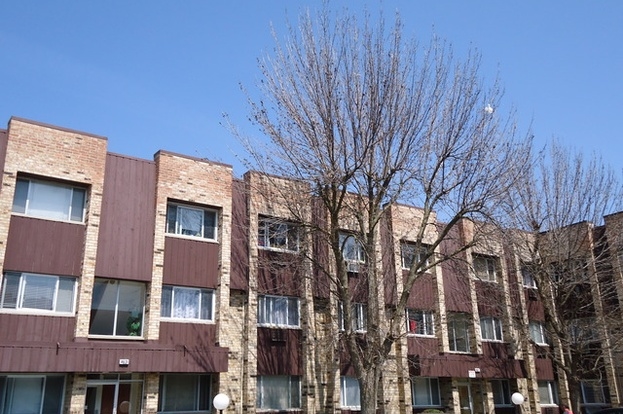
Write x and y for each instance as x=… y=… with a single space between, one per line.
x=32 y=394
x=117 y=308
x=278 y=234
x=420 y=322
x=490 y=329
x=410 y=254
x=537 y=333
x=459 y=332
x=359 y=315
x=184 y=393
x=547 y=393
x=350 y=396
x=29 y=292
x=528 y=278
x=582 y=330
x=281 y=311
x=352 y=249
x=594 y=392
x=425 y=392
x=501 y=392
x=485 y=267
x=278 y=392
x=192 y=221
x=50 y=200
x=187 y=303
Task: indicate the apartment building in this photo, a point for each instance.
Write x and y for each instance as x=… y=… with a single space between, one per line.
x=150 y=286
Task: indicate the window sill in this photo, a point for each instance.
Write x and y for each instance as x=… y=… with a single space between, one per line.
x=277 y=250
x=48 y=218
x=273 y=326
x=413 y=335
x=194 y=238
x=117 y=338
x=188 y=320
x=35 y=312
x=495 y=341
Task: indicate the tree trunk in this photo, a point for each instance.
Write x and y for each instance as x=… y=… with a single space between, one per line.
x=369 y=387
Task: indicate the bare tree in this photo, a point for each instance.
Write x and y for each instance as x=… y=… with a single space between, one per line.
x=368 y=119
x=571 y=260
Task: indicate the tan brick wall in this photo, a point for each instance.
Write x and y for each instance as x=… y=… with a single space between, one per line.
x=195 y=181
x=66 y=155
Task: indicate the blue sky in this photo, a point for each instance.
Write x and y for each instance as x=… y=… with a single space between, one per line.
x=156 y=74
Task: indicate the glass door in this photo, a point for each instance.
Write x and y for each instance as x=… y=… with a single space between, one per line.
x=114 y=394
x=465 y=399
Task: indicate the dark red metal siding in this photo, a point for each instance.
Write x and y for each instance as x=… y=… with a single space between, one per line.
x=36 y=328
x=239 y=238
x=322 y=283
x=190 y=335
x=279 y=273
x=455 y=274
x=105 y=356
x=424 y=293
x=490 y=297
x=4 y=136
x=191 y=263
x=536 y=312
x=544 y=369
x=126 y=236
x=44 y=246
x=279 y=352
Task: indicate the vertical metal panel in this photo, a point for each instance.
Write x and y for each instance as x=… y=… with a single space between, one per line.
x=239 y=237
x=279 y=351
x=36 y=328
x=279 y=273
x=44 y=246
x=490 y=298
x=455 y=275
x=191 y=263
x=424 y=292
x=191 y=335
x=126 y=236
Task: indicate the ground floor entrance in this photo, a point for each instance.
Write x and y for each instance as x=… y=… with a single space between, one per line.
x=114 y=394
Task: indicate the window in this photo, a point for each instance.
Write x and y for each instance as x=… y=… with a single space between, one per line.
x=349 y=392
x=458 y=332
x=278 y=311
x=582 y=330
x=27 y=291
x=32 y=394
x=359 y=314
x=278 y=392
x=187 y=303
x=594 y=392
x=485 y=268
x=547 y=393
x=420 y=322
x=191 y=221
x=425 y=392
x=501 y=392
x=490 y=329
x=117 y=308
x=537 y=333
x=408 y=255
x=277 y=234
x=49 y=200
x=352 y=249
x=528 y=279
x=184 y=393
